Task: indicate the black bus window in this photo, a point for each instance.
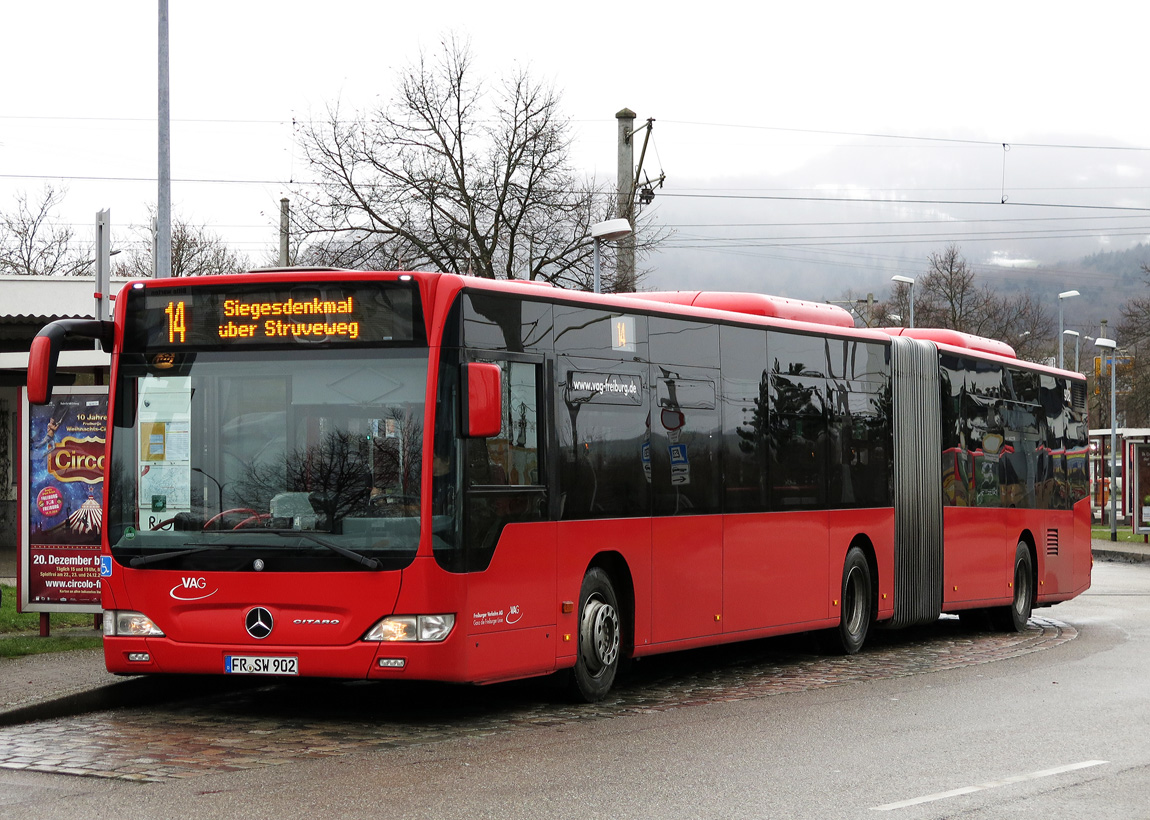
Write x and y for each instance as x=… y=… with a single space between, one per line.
x=793 y=354
x=604 y=430
x=745 y=403
x=502 y=322
x=682 y=343
x=684 y=434
x=600 y=334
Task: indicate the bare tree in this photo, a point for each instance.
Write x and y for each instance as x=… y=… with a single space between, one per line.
x=196 y=251
x=455 y=173
x=31 y=244
x=949 y=295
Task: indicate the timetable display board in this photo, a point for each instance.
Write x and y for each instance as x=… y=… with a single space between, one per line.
x=275 y=314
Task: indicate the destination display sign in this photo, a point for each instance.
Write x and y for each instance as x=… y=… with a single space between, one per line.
x=275 y=314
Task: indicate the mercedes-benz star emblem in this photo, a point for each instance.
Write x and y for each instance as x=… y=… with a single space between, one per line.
x=259 y=622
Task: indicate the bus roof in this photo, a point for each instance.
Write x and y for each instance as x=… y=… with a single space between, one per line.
x=954 y=338
x=757 y=304
x=797 y=314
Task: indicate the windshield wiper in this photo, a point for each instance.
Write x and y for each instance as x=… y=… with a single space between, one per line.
x=351 y=555
x=141 y=560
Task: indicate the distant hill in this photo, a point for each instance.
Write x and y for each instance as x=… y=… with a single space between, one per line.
x=1126 y=264
x=1107 y=280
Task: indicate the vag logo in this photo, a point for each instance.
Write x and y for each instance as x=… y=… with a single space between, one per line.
x=192 y=588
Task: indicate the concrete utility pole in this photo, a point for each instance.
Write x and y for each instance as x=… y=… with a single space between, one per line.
x=164 y=198
x=869 y=302
x=625 y=247
x=284 y=231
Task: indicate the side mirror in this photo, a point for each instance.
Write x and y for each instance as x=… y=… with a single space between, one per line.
x=42 y=358
x=44 y=353
x=483 y=397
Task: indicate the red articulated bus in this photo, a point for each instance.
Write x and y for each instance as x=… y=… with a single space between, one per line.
x=433 y=477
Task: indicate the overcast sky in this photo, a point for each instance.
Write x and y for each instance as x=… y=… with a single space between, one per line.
x=785 y=100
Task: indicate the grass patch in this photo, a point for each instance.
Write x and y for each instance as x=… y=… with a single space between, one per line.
x=20 y=632
x=1124 y=535
x=11 y=621
x=16 y=646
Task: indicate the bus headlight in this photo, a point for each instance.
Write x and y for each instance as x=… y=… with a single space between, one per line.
x=123 y=623
x=431 y=628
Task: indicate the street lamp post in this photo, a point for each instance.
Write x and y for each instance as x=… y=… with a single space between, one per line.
x=1111 y=345
x=1066 y=294
x=906 y=280
x=219 y=486
x=1077 y=339
x=608 y=231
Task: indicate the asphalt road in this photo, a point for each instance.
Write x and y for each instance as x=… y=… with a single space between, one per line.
x=943 y=723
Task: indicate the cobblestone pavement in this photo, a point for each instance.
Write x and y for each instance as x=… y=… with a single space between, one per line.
x=269 y=725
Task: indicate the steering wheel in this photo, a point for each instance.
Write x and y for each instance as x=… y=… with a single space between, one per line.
x=253 y=516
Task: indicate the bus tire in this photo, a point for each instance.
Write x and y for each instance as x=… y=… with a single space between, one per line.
x=857 y=605
x=600 y=638
x=1014 y=618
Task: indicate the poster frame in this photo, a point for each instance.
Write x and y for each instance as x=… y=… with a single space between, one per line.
x=23 y=568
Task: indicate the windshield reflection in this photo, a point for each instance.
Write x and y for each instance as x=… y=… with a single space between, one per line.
x=261 y=446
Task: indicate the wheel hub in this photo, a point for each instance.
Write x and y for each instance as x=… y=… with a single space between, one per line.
x=599 y=633
x=854 y=604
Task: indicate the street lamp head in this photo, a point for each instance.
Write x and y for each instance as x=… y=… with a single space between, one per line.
x=608 y=231
x=611 y=230
x=905 y=280
x=1066 y=294
x=1107 y=343
x=1071 y=333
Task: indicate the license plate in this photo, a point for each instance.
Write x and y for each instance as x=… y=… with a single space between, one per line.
x=260 y=665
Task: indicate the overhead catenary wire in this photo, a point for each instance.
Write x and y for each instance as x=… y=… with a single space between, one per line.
x=911 y=137
x=923 y=138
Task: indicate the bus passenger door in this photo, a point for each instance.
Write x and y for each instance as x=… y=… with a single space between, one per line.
x=510 y=546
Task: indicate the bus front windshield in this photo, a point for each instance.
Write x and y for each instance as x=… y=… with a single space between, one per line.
x=288 y=461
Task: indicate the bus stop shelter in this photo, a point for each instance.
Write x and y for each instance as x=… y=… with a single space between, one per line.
x=29 y=303
x=1127 y=472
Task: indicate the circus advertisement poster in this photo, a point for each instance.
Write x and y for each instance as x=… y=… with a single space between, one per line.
x=63 y=509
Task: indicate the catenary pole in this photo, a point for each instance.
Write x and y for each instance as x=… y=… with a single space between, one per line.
x=164 y=195
x=285 y=211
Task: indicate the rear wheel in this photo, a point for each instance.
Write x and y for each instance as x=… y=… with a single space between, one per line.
x=600 y=638
x=1014 y=618
x=856 y=603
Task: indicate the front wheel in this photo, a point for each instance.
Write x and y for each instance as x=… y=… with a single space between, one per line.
x=1014 y=618
x=857 y=603
x=600 y=638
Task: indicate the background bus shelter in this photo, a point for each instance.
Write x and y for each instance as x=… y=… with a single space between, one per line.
x=1128 y=472
x=29 y=303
